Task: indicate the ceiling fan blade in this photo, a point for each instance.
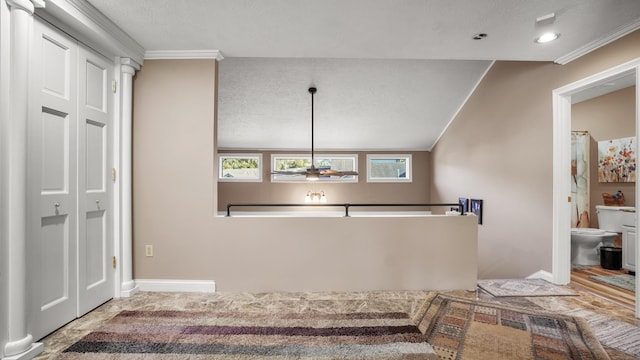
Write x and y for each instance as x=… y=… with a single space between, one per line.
x=289 y=173
x=330 y=172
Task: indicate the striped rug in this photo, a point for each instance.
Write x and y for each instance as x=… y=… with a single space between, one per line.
x=624 y=281
x=611 y=332
x=244 y=335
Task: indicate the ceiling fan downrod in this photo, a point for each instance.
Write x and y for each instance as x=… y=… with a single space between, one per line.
x=312 y=91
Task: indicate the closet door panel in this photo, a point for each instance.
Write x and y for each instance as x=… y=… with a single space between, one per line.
x=52 y=181
x=96 y=281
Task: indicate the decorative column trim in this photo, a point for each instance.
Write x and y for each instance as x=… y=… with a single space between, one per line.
x=25 y=5
x=128 y=68
x=19 y=343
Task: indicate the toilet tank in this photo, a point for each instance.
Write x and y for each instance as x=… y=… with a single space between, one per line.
x=611 y=218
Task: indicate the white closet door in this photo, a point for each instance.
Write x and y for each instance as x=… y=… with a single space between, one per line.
x=95 y=100
x=52 y=169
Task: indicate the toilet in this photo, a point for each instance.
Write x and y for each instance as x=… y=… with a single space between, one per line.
x=586 y=241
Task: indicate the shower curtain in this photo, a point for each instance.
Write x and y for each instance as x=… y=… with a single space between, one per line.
x=580 y=179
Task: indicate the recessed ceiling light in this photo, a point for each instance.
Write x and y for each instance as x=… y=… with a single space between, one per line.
x=479 y=36
x=548 y=37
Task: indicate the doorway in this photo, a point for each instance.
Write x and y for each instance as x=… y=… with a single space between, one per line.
x=563 y=98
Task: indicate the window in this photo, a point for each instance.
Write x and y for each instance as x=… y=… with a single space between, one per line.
x=388 y=168
x=300 y=163
x=240 y=167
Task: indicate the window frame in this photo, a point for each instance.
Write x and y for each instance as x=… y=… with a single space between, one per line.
x=409 y=168
x=222 y=156
x=289 y=179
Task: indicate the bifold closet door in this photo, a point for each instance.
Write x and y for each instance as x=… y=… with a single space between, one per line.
x=95 y=285
x=52 y=168
x=70 y=241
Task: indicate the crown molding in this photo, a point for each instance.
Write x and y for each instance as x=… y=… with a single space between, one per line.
x=84 y=22
x=183 y=54
x=611 y=37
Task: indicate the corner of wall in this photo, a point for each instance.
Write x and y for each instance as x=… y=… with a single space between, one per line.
x=541 y=274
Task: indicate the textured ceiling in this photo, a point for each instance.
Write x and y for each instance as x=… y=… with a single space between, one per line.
x=400 y=104
x=388 y=72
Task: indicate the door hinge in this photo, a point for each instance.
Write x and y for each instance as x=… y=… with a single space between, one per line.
x=113 y=174
x=114 y=86
x=113 y=262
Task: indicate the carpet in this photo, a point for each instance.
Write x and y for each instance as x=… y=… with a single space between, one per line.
x=625 y=281
x=460 y=329
x=246 y=335
x=523 y=287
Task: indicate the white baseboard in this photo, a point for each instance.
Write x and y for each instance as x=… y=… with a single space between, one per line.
x=176 y=285
x=541 y=274
x=129 y=293
x=35 y=350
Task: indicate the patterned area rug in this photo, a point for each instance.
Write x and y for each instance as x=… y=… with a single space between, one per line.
x=244 y=335
x=625 y=281
x=463 y=329
x=523 y=287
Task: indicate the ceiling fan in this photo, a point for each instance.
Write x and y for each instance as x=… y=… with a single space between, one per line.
x=314 y=173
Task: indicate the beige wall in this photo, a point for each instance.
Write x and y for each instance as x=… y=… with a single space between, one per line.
x=174 y=195
x=610 y=116
x=499 y=148
x=361 y=192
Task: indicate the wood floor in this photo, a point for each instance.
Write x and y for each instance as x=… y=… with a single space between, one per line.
x=580 y=279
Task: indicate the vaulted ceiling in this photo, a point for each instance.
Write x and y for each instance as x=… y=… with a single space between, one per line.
x=391 y=74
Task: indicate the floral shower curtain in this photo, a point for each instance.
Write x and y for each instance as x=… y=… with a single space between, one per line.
x=580 y=179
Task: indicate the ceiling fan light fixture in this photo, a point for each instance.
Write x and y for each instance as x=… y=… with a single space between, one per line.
x=313 y=173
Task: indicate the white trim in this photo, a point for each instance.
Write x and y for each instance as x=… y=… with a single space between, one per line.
x=115 y=163
x=462 y=106
x=561 y=218
x=541 y=274
x=561 y=264
x=85 y=23
x=33 y=351
x=602 y=41
x=129 y=292
x=25 y=5
x=127 y=71
x=176 y=285
x=13 y=175
x=239 y=156
x=408 y=168
x=637 y=187
x=182 y=54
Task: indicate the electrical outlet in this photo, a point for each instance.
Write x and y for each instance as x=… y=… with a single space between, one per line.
x=148 y=250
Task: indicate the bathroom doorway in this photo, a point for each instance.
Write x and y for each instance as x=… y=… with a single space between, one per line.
x=602 y=129
x=614 y=79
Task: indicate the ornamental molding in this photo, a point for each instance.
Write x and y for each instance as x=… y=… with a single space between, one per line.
x=25 y=5
x=183 y=54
